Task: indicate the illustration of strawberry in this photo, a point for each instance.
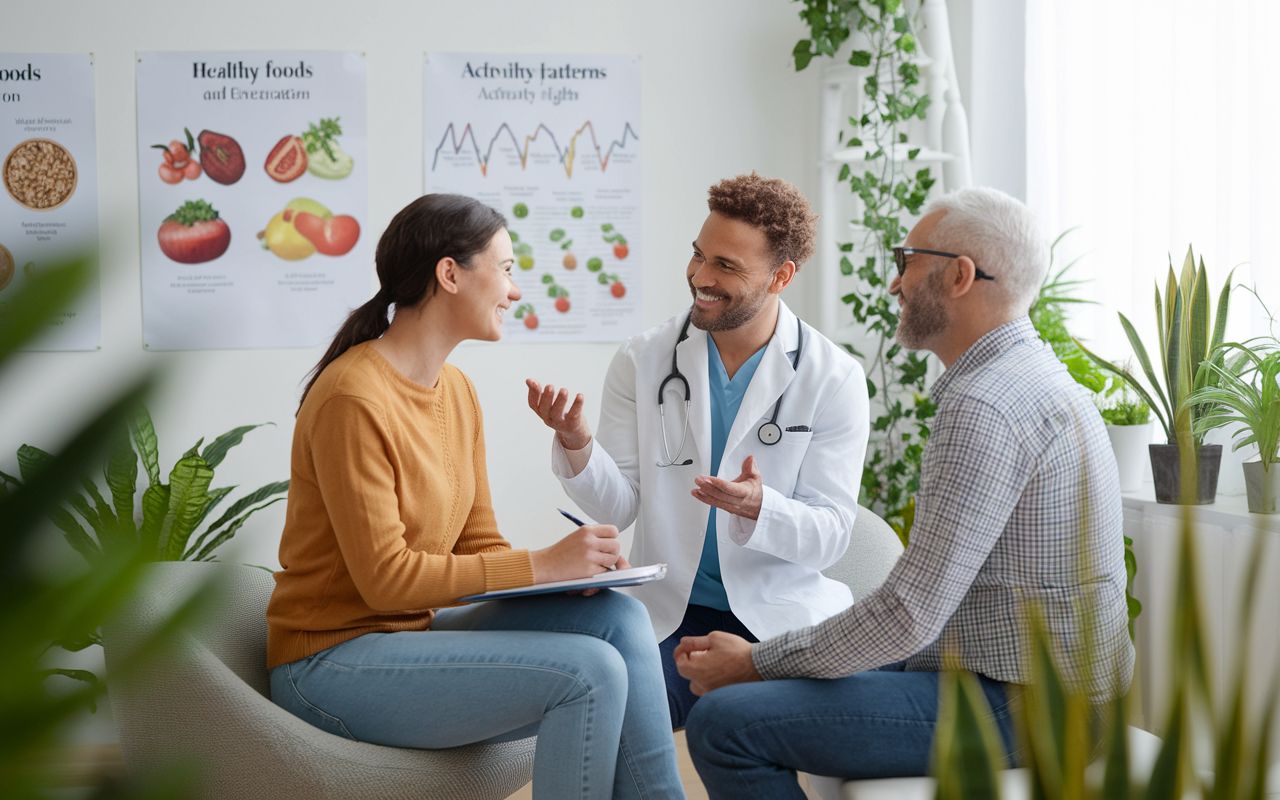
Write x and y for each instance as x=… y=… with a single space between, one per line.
x=525 y=311
x=615 y=286
x=558 y=292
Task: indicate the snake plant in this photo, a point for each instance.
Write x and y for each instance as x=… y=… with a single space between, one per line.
x=1188 y=336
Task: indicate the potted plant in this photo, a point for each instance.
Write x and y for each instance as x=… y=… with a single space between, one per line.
x=1248 y=393
x=1187 y=335
x=1128 y=421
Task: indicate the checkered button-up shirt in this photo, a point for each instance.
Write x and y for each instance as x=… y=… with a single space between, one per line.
x=1019 y=503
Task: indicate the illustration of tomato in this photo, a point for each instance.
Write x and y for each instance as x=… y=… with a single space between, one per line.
x=178 y=163
x=620 y=251
x=558 y=292
x=287 y=160
x=616 y=239
x=194 y=234
x=525 y=311
x=615 y=286
x=332 y=236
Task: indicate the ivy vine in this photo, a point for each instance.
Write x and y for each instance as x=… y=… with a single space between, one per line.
x=891 y=191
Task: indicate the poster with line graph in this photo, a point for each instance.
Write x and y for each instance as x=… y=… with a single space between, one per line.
x=553 y=142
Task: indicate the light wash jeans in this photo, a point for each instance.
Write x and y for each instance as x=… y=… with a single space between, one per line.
x=583 y=673
x=748 y=740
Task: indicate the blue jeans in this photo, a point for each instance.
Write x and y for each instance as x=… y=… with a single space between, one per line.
x=580 y=672
x=698 y=621
x=749 y=740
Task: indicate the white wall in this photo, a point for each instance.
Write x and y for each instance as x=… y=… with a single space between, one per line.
x=720 y=97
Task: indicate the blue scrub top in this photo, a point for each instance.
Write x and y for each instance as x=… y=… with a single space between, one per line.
x=726 y=397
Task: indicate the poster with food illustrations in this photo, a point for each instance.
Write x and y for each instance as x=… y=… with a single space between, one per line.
x=49 y=212
x=553 y=142
x=253 y=185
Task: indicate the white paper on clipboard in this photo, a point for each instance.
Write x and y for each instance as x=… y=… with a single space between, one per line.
x=621 y=577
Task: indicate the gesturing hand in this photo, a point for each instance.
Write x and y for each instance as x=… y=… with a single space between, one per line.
x=741 y=497
x=715 y=660
x=588 y=551
x=554 y=410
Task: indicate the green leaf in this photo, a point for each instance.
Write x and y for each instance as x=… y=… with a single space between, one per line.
x=44 y=294
x=912 y=153
x=860 y=58
x=230 y=531
x=122 y=482
x=155 y=507
x=188 y=496
x=967 y=749
x=217 y=450
x=216 y=495
x=802 y=54
x=144 y=440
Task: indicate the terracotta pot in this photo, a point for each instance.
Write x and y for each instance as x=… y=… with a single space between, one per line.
x=1129 y=443
x=1262 y=487
x=1166 y=470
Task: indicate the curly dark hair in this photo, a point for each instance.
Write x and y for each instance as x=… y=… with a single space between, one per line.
x=774 y=206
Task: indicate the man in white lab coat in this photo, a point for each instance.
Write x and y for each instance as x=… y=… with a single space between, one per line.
x=732 y=435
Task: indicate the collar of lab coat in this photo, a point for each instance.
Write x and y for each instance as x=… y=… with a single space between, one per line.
x=772 y=377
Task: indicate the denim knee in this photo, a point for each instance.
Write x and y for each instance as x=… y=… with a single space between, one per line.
x=598 y=667
x=711 y=722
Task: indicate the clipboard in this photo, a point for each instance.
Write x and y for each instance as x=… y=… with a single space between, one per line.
x=605 y=580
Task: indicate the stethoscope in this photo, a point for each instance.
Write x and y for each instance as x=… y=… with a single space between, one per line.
x=769 y=432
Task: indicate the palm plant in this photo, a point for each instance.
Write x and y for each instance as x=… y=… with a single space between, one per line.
x=1183 y=326
x=1249 y=395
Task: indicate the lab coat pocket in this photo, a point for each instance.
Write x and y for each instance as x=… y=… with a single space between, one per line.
x=780 y=463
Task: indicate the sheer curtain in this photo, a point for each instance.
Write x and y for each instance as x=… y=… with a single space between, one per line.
x=1154 y=125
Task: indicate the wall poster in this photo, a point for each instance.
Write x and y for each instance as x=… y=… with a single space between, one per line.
x=253 y=184
x=553 y=142
x=49 y=212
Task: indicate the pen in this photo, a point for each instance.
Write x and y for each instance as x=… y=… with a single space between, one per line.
x=577 y=522
x=571 y=517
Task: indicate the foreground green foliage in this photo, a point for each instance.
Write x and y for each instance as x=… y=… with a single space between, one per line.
x=1054 y=721
x=42 y=602
x=891 y=192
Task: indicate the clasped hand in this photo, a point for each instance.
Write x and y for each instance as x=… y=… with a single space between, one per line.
x=715 y=660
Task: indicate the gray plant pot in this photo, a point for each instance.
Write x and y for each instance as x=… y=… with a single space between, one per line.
x=1262 y=487
x=1166 y=471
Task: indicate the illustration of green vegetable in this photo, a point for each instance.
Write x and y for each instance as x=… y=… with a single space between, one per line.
x=325 y=159
x=594 y=264
x=520 y=211
x=576 y=212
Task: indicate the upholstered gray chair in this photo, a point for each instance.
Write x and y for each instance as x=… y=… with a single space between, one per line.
x=874 y=548
x=205 y=699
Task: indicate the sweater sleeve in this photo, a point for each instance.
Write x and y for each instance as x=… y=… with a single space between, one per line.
x=504 y=568
x=349 y=448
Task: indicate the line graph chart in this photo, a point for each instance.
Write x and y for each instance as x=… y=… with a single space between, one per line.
x=454 y=143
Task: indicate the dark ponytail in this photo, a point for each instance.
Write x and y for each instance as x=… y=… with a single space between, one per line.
x=433 y=227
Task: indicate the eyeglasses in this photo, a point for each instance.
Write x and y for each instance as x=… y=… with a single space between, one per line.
x=900 y=258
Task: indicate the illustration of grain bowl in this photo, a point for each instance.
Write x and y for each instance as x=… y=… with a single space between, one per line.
x=40 y=174
x=6 y=267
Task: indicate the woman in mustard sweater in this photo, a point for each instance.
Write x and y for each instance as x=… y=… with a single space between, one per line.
x=390 y=521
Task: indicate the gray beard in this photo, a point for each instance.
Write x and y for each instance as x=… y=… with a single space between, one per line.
x=924 y=316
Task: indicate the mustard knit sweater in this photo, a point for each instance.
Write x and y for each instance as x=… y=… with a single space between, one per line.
x=389 y=513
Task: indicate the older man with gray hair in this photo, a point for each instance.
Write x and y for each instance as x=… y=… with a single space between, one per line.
x=1018 y=504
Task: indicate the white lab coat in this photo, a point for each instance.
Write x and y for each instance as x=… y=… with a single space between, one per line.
x=770 y=566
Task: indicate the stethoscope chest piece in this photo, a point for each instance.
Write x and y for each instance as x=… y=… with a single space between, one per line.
x=770 y=433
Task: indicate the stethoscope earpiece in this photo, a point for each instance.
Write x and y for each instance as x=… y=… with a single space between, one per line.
x=769 y=433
